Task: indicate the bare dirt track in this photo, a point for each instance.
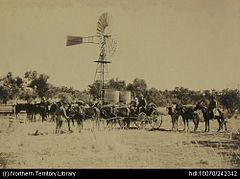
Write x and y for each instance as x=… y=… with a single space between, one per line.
x=23 y=147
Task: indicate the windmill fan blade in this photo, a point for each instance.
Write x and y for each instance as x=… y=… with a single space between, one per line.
x=100 y=27
x=100 y=31
x=103 y=19
x=102 y=23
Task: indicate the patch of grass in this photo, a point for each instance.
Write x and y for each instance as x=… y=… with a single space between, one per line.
x=3 y=161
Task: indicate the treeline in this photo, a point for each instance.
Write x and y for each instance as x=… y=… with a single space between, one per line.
x=35 y=85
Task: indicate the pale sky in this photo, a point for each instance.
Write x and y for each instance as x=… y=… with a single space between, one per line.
x=169 y=43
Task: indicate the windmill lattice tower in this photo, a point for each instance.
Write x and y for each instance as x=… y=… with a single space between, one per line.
x=101 y=74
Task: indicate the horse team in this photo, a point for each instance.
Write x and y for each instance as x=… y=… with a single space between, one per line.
x=123 y=115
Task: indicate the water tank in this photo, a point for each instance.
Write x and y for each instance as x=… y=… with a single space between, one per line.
x=111 y=96
x=125 y=97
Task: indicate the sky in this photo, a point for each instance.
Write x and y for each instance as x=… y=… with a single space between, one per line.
x=169 y=43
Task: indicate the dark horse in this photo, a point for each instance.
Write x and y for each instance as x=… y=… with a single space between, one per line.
x=19 y=108
x=32 y=110
x=209 y=114
x=188 y=112
x=116 y=114
x=53 y=111
x=41 y=109
x=107 y=112
x=75 y=113
x=90 y=112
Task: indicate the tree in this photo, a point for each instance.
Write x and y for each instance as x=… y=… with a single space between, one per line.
x=182 y=94
x=10 y=87
x=230 y=99
x=138 y=87
x=52 y=91
x=38 y=82
x=157 y=97
x=4 y=96
x=65 y=97
x=94 y=89
x=82 y=95
x=117 y=84
x=31 y=75
x=27 y=94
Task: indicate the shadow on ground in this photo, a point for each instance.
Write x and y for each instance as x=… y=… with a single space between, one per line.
x=228 y=149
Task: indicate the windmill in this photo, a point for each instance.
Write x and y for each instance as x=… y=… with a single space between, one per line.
x=107 y=45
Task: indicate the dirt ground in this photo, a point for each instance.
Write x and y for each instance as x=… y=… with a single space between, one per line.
x=23 y=147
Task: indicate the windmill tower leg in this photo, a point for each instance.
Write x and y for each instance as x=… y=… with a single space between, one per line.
x=101 y=76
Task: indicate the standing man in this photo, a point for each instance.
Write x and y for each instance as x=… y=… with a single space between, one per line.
x=213 y=106
x=61 y=114
x=135 y=101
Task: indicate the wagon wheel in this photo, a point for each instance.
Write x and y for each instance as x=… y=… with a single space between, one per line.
x=156 y=120
x=140 y=122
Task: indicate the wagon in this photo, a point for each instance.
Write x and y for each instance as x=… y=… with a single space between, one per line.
x=6 y=109
x=145 y=119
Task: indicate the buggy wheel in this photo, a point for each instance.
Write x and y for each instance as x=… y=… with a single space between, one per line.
x=156 y=120
x=140 y=122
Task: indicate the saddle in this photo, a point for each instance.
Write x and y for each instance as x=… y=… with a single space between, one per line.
x=216 y=112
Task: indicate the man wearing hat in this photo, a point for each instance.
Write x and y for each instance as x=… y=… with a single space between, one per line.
x=213 y=106
x=142 y=103
x=61 y=114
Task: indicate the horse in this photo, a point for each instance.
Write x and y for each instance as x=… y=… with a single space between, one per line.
x=75 y=113
x=188 y=112
x=122 y=115
x=174 y=116
x=41 y=109
x=53 y=111
x=90 y=112
x=28 y=107
x=107 y=113
x=116 y=114
x=18 y=108
x=209 y=114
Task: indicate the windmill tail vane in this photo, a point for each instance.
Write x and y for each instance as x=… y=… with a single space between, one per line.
x=75 y=40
